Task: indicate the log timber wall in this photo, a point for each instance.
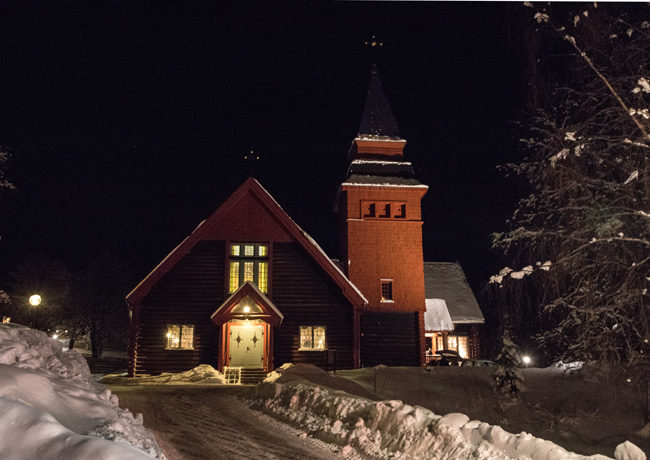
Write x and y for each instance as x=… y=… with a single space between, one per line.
x=391 y=339
x=188 y=294
x=307 y=296
x=192 y=290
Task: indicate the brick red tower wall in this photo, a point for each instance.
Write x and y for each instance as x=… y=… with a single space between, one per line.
x=385 y=248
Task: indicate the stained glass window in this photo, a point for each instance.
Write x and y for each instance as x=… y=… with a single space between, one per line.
x=263 y=276
x=234 y=276
x=249 y=262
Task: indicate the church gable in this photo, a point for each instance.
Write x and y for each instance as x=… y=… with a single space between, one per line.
x=249 y=214
x=247 y=219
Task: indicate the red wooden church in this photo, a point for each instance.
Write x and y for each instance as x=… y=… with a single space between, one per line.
x=249 y=288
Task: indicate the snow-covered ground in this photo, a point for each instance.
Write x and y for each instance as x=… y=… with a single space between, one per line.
x=308 y=397
x=213 y=422
x=50 y=408
x=580 y=410
x=200 y=375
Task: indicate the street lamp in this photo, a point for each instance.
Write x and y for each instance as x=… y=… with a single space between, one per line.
x=34 y=301
x=527 y=360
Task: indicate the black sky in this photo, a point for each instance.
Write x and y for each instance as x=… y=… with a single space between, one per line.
x=128 y=120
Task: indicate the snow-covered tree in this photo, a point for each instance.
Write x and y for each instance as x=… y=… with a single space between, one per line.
x=506 y=377
x=582 y=236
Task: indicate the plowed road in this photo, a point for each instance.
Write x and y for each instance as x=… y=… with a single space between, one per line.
x=192 y=422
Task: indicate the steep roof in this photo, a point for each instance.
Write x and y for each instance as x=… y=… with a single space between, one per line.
x=377 y=119
x=446 y=280
x=253 y=187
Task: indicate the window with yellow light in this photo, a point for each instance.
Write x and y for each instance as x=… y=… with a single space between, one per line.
x=249 y=262
x=180 y=337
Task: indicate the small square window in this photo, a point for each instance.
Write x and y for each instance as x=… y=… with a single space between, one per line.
x=386 y=290
x=249 y=250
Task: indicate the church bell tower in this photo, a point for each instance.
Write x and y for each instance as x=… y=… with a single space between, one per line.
x=380 y=226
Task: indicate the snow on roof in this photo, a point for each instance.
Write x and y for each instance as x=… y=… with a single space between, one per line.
x=436 y=317
x=376 y=137
x=378 y=181
x=316 y=246
x=446 y=280
x=381 y=162
x=313 y=241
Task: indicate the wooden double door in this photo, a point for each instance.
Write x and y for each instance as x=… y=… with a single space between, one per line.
x=247 y=345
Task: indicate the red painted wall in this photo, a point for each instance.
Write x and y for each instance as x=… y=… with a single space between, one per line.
x=247 y=220
x=384 y=248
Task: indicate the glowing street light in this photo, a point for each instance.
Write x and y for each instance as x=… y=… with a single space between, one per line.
x=35 y=300
x=526 y=359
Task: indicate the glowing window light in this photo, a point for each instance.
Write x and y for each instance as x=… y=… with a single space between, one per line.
x=263 y=276
x=312 y=338
x=180 y=337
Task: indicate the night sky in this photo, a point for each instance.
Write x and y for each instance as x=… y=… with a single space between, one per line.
x=128 y=121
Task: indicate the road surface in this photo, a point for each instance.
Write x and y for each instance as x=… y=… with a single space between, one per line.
x=207 y=422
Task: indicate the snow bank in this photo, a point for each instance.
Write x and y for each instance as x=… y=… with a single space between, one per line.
x=276 y=374
x=397 y=430
x=569 y=367
x=203 y=374
x=50 y=405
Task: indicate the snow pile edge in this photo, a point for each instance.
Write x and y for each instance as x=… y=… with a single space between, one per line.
x=203 y=374
x=50 y=403
x=397 y=430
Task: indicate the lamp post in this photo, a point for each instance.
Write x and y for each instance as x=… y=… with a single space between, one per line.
x=34 y=301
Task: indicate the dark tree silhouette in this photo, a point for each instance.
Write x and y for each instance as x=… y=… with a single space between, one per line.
x=581 y=239
x=98 y=291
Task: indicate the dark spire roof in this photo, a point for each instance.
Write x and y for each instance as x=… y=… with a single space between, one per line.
x=378 y=119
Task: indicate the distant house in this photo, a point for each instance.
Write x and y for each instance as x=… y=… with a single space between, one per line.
x=453 y=317
x=249 y=288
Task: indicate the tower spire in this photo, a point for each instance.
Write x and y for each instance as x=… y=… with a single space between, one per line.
x=378 y=119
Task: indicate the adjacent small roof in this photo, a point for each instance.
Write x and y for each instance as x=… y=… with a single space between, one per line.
x=247 y=289
x=446 y=280
x=436 y=317
x=378 y=119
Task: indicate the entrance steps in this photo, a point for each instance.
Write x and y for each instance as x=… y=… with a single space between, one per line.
x=252 y=376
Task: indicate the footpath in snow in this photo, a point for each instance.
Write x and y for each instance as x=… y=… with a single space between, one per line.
x=393 y=429
x=50 y=408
